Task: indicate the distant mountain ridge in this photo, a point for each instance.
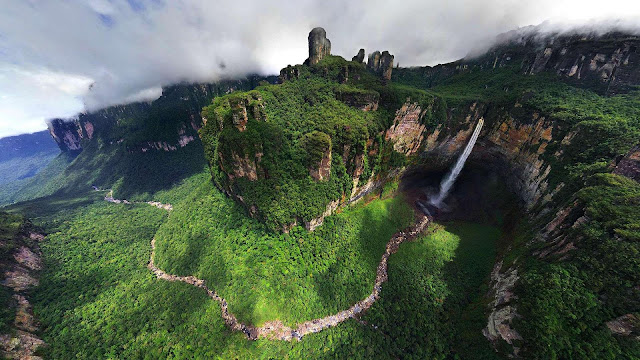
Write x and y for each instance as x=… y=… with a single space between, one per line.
x=21 y=158
x=26 y=145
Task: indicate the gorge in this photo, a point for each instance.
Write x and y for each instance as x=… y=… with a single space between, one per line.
x=300 y=200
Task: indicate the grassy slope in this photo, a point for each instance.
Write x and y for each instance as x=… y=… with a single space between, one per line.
x=42 y=184
x=16 y=173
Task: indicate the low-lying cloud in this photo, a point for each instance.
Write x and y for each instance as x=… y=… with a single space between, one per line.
x=58 y=58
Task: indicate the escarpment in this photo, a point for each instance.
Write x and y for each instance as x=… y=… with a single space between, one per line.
x=522 y=140
x=629 y=165
x=334 y=131
x=608 y=64
x=168 y=123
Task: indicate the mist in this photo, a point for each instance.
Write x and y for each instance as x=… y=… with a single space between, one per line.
x=59 y=58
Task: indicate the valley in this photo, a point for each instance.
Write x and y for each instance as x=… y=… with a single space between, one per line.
x=485 y=208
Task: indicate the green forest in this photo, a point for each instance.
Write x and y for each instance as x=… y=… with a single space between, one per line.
x=99 y=300
x=287 y=197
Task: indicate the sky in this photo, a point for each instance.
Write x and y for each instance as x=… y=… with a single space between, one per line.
x=62 y=57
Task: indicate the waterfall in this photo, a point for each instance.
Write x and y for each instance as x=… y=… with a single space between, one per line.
x=447 y=182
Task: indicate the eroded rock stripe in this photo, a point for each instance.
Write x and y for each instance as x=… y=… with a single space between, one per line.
x=276 y=330
x=23 y=342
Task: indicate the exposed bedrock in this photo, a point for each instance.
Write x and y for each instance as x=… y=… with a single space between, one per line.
x=513 y=147
x=359 y=56
x=381 y=63
x=319 y=45
x=629 y=165
x=608 y=64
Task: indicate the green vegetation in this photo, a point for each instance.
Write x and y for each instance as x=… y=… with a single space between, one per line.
x=42 y=184
x=566 y=299
x=98 y=300
x=21 y=158
x=10 y=228
x=15 y=173
x=265 y=276
x=432 y=305
x=565 y=305
x=290 y=126
x=602 y=127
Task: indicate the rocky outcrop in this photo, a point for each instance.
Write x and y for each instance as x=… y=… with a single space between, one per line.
x=363 y=100
x=322 y=170
x=319 y=46
x=244 y=166
x=629 y=165
x=406 y=133
x=19 y=272
x=289 y=73
x=381 y=63
x=502 y=307
x=627 y=325
x=359 y=58
x=245 y=107
x=183 y=141
x=611 y=68
x=314 y=223
x=67 y=134
x=608 y=64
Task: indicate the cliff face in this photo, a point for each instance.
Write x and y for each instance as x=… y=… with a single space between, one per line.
x=515 y=141
x=607 y=64
x=381 y=63
x=545 y=139
x=319 y=46
x=165 y=124
x=511 y=146
x=67 y=134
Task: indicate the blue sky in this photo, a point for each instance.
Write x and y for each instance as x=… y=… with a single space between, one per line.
x=53 y=51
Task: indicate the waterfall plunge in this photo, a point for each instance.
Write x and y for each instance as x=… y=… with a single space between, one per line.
x=447 y=182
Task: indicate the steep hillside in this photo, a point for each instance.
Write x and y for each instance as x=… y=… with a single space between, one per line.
x=136 y=149
x=302 y=219
x=560 y=114
x=19 y=268
x=606 y=64
x=21 y=158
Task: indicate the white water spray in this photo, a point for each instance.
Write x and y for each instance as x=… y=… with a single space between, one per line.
x=447 y=182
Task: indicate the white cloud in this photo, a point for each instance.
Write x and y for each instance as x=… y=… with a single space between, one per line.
x=50 y=49
x=29 y=96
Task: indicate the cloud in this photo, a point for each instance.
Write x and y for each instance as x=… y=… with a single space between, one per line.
x=51 y=50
